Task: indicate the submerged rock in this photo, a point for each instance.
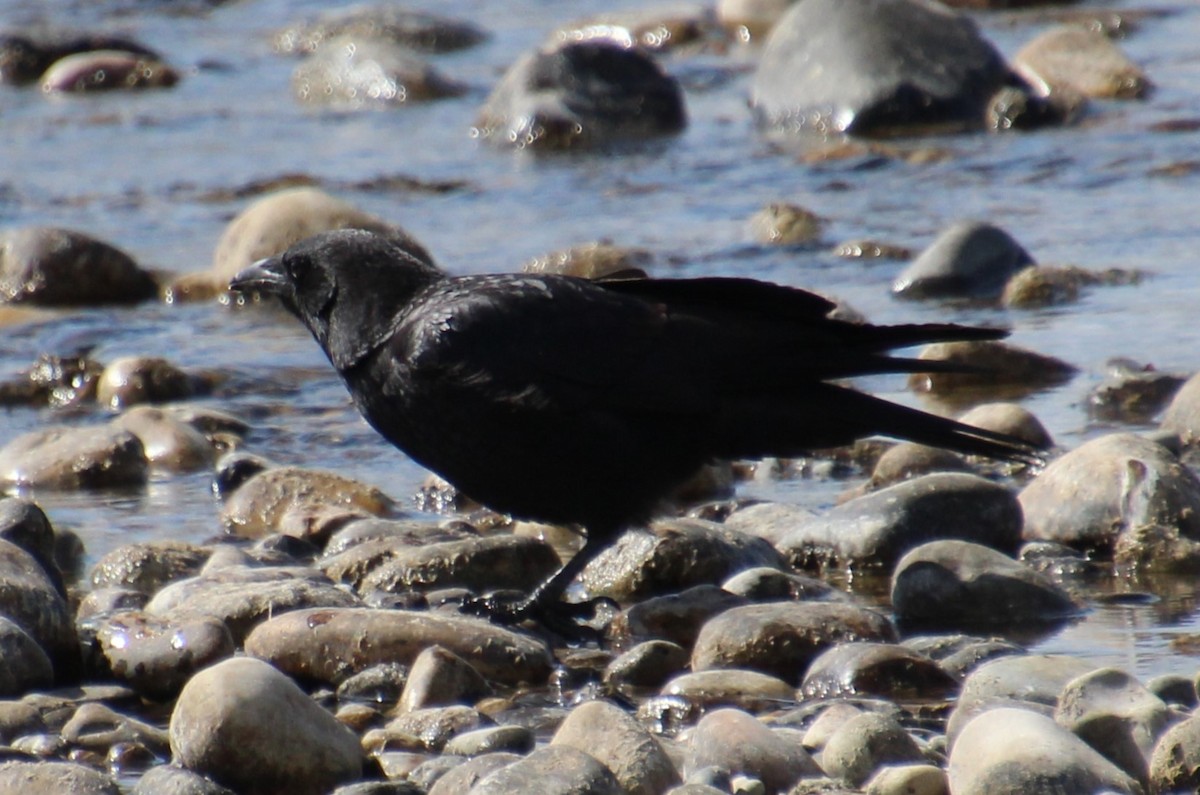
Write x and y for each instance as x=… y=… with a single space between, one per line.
x=418 y=30
x=883 y=66
x=107 y=70
x=48 y=266
x=970 y=259
x=582 y=95
x=348 y=73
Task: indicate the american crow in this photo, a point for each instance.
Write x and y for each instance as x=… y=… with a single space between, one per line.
x=582 y=402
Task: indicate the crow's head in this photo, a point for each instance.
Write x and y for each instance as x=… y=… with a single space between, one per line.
x=347 y=286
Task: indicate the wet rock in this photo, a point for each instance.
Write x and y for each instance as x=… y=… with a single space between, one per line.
x=865 y=68
x=48 y=266
x=1109 y=693
x=908 y=460
x=1182 y=416
x=96 y=727
x=25 y=55
x=148 y=565
x=619 y=742
x=1175 y=690
x=764 y=584
x=1054 y=285
x=785 y=224
x=243 y=597
x=68 y=459
x=582 y=95
x=1109 y=487
x=26 y=665
x=970 y=259
x=657 y=30
x=417 y=30
x=910 y=779
x=1010 y=418
x=866 y=743
x=156 y=657
x=26 y=525
x=772 y=521
x=1015 y=750
x=54 y=778
x=732 y=740
x=947 y=584
x=144 y=379
x=30 y=600
x=885 y=670
x=1175 y=762
x=648 y=664
x=427 y=729
x=1032 y=678
x=553 y=770
x=168 y=443
x=459 y=779
x=782 y=638
x=329 y=645
x=491 y=740
x=107 y=70
x=675 y=555
x=441 y=677
x=55 y=381
x=19 y=718
x=173 y=780
x=284 y=496
x=674 y=617
x=253 y=730
x=1001 y=371
x=273 y=223
x=592 y=261
x=480 y=564
x=365 y=73
x=1132 y=393
x=1082 y=60
x=728 y=687
x=878 y=528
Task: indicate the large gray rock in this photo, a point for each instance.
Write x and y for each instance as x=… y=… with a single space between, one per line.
x=617 y=740
x=249 y=727
x=582 y=95
x=733 y=740
x=1018 y=751
x=875 y=66
x=945 y=584
x=970 y=259
x=782 y=638
x=327 y=645
x=673 y=556
x=1108 y=487
x=878 y=528
x=70 y=458
x=553 y=770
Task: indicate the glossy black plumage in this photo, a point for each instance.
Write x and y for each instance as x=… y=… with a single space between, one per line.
x=571 y=401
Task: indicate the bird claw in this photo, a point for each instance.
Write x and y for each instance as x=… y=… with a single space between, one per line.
x=564 y=618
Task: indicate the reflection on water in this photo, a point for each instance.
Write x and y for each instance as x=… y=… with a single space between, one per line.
x=161 y=173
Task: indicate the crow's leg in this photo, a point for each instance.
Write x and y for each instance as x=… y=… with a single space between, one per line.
x=544 y=603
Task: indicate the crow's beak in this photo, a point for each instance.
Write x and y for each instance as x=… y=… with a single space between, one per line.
x=265 y=276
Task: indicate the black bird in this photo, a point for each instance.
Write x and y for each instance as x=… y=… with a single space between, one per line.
x=581 y=402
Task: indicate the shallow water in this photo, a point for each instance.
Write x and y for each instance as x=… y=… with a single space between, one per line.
x=153 y=173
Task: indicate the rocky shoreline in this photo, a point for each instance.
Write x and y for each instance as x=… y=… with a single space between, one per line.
x=316 y=645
